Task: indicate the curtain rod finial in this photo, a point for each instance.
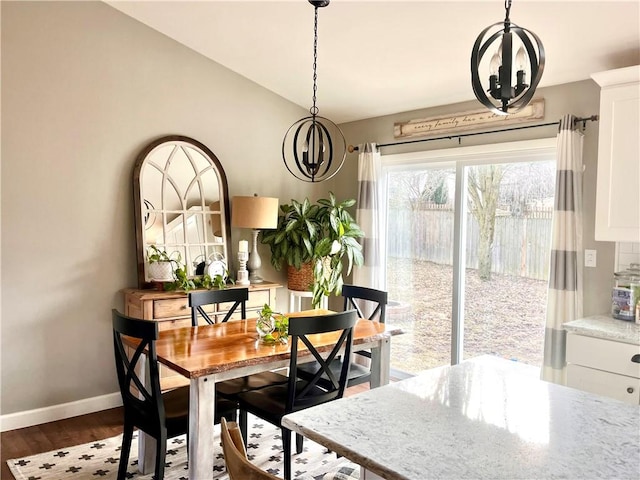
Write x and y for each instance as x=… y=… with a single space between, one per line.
x=352 y=149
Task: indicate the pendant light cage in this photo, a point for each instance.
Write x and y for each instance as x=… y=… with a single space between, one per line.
x=314 y=148
x=508 y=96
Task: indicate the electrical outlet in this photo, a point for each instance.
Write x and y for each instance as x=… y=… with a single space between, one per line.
x=590 y=258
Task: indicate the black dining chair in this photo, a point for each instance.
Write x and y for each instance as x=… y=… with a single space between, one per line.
x=160 y=415
x=198 y=300
x=274 y=402
x=363 y=300
x=230 y=388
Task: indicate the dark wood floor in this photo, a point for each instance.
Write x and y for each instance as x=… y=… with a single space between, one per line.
x=71 y=431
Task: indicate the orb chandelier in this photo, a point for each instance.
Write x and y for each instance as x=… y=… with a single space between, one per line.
x=510 y=98
x=314 y=147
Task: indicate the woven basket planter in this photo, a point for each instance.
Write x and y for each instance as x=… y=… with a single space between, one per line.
x=300 y=280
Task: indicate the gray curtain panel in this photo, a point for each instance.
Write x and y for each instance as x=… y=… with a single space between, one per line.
x=371 y=273
x=564 y=301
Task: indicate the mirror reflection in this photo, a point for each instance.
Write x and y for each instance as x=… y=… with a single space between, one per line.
x=181 y=204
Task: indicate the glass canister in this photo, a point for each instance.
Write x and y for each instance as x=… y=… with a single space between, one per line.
x=626 y=293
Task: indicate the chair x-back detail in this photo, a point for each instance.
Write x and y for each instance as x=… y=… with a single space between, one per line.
x=363 y=300
x=145 y=407
x=274 y=402
x=197 y=301
x=229 y=389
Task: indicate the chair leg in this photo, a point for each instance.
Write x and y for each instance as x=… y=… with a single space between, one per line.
x=161 y=453
x=299 y=440
x=286 y=458
x=243 y=426
x=125 y=449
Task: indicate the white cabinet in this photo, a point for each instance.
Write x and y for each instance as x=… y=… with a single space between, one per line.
x=618 y=184
x=604 y=367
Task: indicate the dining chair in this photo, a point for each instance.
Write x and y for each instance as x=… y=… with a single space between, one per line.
x=197 y=301
x=363 y=300
x=230 y=388
x=274 y=402
x=160 y=415
x=235 y=455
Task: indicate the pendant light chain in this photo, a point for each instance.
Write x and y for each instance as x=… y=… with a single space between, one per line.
x=314 y=110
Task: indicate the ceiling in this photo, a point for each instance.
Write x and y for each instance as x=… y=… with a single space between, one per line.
x=382 y=57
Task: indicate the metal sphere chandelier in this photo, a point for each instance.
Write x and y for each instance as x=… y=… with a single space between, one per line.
x=314 y=147
x=509 y=98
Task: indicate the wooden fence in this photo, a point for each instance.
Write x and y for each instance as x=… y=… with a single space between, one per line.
x=521 y=247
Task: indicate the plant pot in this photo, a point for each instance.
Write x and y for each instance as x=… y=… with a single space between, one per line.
x=160 y=271
x=300 y=280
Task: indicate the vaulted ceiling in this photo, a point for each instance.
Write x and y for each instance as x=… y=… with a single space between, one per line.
x=383 y=57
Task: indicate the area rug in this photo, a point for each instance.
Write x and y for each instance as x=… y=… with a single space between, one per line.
x=99 y=460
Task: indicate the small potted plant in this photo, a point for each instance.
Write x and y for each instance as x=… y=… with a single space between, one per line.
x=161 y=265
x=272 y=327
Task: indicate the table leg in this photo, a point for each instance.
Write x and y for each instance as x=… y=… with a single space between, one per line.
x=147 y=445
x=202 y=400
x=380 y=363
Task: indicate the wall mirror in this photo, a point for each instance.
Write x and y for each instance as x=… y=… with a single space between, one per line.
x=181 y=204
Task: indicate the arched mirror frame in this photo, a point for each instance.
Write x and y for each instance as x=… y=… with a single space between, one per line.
x=140 y=208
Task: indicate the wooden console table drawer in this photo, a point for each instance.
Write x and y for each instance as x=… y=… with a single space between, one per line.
x=174 y=307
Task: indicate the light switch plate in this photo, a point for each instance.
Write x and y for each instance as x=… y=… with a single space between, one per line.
x=590 y=258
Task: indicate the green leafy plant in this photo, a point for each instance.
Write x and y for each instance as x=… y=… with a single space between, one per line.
x=155 y=255
x=323 y=233
x=281 y=332
x=183 y=282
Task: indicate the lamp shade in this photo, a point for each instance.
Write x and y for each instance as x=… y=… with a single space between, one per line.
x=254 y=212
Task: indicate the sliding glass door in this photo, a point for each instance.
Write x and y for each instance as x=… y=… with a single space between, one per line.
x=468 y=245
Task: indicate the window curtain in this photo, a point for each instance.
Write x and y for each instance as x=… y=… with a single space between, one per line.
x=371 y=273
x=564 y=301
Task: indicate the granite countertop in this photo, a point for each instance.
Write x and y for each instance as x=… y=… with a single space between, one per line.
x=607 y=327
x=485 y=418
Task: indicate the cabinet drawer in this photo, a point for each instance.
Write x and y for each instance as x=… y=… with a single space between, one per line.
x=620 y=387
x=256 y=301
x=178 y=323
x=603 y=354
x=173 y=307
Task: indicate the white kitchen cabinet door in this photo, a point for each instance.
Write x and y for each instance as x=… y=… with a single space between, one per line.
x=620 y=387
x=618 y=184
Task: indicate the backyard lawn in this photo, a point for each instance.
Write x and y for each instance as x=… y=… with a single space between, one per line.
x=503 y=316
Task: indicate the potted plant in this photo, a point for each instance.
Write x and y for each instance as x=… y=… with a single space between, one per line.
x=321 y=235
x=161 y=265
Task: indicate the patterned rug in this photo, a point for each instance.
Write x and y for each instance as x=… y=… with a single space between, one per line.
x=99 y=460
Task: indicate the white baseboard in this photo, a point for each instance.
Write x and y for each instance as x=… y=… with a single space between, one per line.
x=58 y=412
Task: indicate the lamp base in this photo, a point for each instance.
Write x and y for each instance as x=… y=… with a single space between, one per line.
x=255 y=278
x=254 y=263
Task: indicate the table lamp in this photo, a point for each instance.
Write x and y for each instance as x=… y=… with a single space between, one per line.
x=256 y=213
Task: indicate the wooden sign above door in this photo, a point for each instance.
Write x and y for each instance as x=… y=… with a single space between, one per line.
x=471 y=120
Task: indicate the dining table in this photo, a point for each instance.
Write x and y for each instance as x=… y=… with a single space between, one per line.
x=485 y=418
x=207 y=354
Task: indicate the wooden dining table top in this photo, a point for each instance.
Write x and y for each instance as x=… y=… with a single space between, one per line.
x=207 y=349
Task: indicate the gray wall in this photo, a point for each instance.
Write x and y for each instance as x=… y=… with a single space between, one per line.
x=84 y=88
x=580 y=98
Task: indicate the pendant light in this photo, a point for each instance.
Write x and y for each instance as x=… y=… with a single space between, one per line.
x=314 y=147
x=510 y=98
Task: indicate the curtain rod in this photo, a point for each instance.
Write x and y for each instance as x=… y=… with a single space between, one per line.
x=583 y=120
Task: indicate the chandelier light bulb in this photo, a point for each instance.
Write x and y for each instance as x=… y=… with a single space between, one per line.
x=521 y=58
x=496 y=61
